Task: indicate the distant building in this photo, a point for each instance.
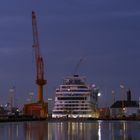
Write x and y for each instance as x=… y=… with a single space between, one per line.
x=125 y=107
x=2 y=111
x=104 y=112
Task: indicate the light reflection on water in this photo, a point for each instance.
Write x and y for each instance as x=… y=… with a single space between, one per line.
x=67 y=130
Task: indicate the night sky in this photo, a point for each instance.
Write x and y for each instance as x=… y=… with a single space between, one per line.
x=105 y=33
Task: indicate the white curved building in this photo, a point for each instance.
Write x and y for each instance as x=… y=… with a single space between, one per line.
x=75 y=99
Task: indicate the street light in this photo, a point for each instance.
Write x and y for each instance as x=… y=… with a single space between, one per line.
x=12 y=96
x=122 y=92
x=113 y=95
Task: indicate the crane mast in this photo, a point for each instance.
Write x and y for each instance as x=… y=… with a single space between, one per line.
x=40 y=81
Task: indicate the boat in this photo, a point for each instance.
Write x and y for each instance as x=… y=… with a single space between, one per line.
x=74 y=98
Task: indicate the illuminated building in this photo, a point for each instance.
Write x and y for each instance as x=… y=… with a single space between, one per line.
x=125 y=107
x=75 y=99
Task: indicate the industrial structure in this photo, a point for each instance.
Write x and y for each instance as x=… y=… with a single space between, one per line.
x=40 y=108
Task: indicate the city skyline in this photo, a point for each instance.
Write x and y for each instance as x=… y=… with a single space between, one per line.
x=105 y=33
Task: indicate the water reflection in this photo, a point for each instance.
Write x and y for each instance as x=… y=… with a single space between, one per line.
x=74 y=131
x=91 y=130
x=35 y=131
x=10 y=131
x=122 y=130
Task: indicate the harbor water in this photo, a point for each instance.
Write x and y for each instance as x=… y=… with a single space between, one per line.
x=69 y=130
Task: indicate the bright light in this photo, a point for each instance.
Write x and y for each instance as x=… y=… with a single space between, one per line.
x=49 y=99
x=93 y=85
x=121 y=86
x=124 y=109
x=99 y=94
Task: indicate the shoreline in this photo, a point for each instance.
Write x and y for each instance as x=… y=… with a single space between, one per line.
x=91 y=119
x=28 y=119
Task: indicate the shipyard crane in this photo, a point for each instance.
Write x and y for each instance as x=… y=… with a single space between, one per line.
x=40 y=81
x=78 y=65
